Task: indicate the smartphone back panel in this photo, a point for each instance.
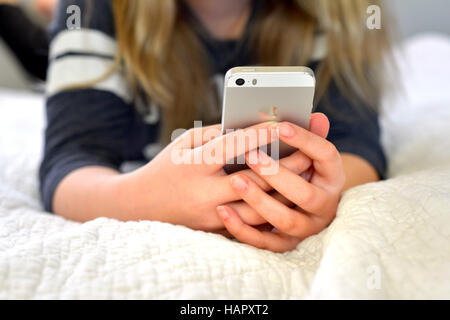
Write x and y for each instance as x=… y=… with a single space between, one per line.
x=258 y=94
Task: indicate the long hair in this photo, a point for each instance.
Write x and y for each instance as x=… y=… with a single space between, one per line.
x=162 y=55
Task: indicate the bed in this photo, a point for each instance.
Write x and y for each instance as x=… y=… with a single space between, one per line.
x=390 y=239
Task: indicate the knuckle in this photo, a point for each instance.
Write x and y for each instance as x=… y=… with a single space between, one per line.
x=309 y=142
x=301 y=162
x=288 y=225
x=330 y=152
x=308 y=195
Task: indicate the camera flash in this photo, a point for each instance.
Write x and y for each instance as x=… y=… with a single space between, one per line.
x=254 y=82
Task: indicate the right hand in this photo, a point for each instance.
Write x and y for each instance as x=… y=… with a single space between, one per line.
x=188 y=194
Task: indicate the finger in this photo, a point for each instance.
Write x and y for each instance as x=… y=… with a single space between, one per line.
x=319 y=124
x=226 y=190
x=283 y=218
x=196 y=137
x=297 y=162
x=252 y=175
x=326 y=158
x=249 y=215
x=278 y=196
x=223 y=232
x=249 y=235
x=227 y=147
x=295 y=188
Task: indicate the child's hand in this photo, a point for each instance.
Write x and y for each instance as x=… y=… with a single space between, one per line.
x=315 y=201
x=179 y=186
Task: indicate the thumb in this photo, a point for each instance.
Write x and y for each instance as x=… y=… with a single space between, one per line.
x=319 y=124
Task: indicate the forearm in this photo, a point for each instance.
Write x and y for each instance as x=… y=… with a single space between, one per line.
x=93 y=192
x=357 y=171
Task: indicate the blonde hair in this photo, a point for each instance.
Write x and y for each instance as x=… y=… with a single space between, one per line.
x=163 y=56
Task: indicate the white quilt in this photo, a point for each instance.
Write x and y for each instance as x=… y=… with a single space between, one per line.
x=390 y=239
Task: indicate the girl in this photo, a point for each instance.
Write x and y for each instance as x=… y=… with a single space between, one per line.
x=139 y=69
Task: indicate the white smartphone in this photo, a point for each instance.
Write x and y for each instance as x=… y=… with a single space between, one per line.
x=257 y=94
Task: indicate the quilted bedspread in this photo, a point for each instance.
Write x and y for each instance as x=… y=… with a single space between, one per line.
x=390 y=239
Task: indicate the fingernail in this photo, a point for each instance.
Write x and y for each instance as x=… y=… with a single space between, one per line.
x=286 y=130
x=223 y=213
x=239 y=184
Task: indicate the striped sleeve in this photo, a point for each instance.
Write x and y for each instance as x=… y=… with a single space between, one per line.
x=90 y=126
x=82 y=55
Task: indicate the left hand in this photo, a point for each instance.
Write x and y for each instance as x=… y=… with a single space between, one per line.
x=315 y=201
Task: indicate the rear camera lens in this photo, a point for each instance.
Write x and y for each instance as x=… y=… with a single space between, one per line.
x=240 y=82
